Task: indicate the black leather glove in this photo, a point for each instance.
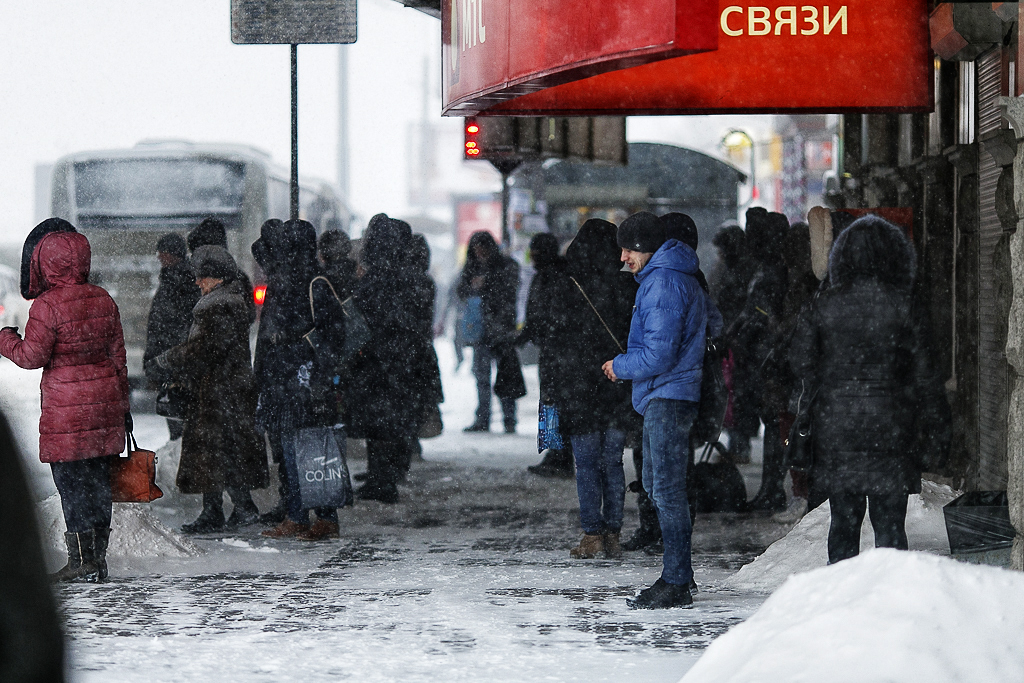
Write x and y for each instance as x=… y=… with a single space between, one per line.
x=128 y=422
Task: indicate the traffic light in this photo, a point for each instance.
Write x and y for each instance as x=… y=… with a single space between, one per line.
x=472 y=148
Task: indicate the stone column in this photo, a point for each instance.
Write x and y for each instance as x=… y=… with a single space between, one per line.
x=1013 y=108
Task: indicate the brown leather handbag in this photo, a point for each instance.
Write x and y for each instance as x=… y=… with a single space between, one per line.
x=133 y=475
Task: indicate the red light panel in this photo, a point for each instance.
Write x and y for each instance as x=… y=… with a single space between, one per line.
x=259 y=294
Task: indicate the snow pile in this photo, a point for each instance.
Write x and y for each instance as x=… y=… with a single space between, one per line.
x=886 y=615
x=806 y=546
x=135 y=532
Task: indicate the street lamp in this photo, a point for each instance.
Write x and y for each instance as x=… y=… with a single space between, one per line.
x=737 y=139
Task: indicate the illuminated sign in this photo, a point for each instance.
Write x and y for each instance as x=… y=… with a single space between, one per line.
x=823 y=56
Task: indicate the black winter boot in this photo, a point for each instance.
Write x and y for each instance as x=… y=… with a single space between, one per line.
x=102 y=541
x=557 y=462
x=81 y=564
x=245 y=511
x=649 y=533
x=211 y=518
x=661 y=595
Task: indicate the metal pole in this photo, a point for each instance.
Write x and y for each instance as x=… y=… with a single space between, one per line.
x=506 y=236
x=295 y=134
x=343 y=150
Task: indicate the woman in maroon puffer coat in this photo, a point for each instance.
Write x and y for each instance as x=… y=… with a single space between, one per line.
x=74 y=334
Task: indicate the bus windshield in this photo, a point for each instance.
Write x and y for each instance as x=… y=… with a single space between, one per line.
x=157 y=186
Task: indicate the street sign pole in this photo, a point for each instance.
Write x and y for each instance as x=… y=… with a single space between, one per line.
x=295 y=134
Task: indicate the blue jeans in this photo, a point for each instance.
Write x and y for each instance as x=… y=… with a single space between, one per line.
x=667 y=426
x=600 y=481
x=483 y=359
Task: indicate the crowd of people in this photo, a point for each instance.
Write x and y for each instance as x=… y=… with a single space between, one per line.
x=622 y=318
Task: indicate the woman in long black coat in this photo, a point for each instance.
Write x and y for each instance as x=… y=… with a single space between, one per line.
x=592 y=310
x=220 y=447
x=879 y=413
x=382 y=399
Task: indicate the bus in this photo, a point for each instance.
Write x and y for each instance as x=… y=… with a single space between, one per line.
x=125 y=200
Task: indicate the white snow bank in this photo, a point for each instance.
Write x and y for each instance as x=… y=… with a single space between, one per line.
x=806 y=545
x=886 y=615
x=135 y=532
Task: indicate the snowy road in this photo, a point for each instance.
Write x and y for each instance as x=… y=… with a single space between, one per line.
x=467 y=578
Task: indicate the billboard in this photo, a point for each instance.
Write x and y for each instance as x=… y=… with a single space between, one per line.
x=772 y=56
x=495 y=50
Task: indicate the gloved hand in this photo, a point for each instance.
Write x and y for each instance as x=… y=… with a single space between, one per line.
x=128 y=422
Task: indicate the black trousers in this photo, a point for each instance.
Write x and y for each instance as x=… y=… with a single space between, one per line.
x=888 y=519
x=84 y=488
x=385 y=462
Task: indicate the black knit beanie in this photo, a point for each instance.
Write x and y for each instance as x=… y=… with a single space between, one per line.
x=643 y=232
x=214 y=261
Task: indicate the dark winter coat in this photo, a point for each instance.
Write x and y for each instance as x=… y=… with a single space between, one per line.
x=427 y=386
x=731 y=276
x=294 y=382
x=74 y=334
x=498 y=292
x=587 y=401
x=862 y=347
x=668 y=330
x=220 y=446
x=170 y=315
x=541 y=314
x=382 y=402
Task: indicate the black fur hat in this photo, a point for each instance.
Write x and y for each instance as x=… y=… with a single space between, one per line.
x=643 y=232
x=172 y=243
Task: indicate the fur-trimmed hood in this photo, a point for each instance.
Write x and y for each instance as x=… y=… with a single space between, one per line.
x=874 y=249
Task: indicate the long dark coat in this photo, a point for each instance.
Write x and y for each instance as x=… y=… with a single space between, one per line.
x=220 y=446
x=862 y=347
x=170 y=315
x=428 y=390
x=587 y=401
x=382 y=402
x=539 y=326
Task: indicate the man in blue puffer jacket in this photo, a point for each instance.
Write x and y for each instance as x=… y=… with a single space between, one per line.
x=664 y=359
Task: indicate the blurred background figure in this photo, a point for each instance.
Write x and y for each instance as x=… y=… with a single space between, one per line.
x=489 y=283
x=728 y=286
x=31 y=643
x=427 y=388
x=382 y=403
x=170 y=317
x=539 y=329
x=752 y=338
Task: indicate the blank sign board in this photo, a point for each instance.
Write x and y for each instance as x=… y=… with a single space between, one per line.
x=293 y=21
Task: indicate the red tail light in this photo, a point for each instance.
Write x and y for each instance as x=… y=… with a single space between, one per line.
x=259 y=293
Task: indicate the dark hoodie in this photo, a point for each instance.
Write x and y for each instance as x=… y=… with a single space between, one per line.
x=540 y=323
x=862 y=346
x=290 y=376
x=587 y=402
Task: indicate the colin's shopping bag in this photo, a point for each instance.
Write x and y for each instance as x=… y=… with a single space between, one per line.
x=323 y=471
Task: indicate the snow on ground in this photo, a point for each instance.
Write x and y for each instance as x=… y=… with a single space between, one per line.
x=883 y=616
x=806 y=546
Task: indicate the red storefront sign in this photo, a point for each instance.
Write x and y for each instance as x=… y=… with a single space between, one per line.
x=494 y=50
x=772 y=56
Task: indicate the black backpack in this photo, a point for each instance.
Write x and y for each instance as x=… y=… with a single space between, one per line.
x=716 y=486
